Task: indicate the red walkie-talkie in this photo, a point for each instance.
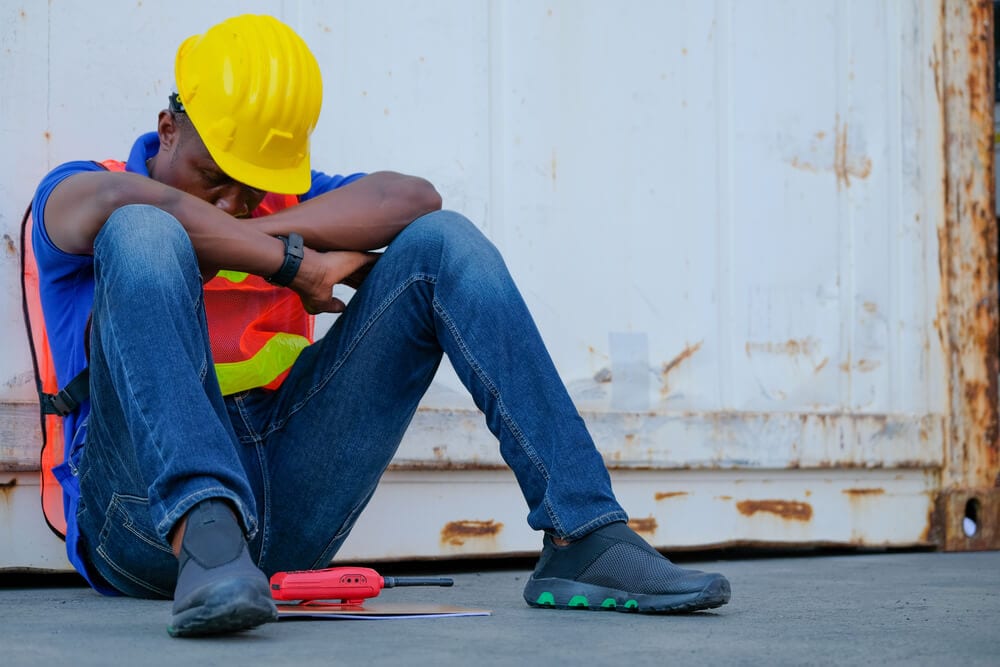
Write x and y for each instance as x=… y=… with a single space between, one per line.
x=350 y=585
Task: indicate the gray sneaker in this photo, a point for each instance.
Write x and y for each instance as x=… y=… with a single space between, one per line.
x=613 y=568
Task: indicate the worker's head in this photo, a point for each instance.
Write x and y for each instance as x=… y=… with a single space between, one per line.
x=251 y=91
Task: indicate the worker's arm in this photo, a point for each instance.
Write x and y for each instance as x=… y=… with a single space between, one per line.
x=79 y=206
x=362 y=215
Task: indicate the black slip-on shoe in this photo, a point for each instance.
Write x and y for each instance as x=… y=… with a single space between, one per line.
x=614 y=569
x=219 y=588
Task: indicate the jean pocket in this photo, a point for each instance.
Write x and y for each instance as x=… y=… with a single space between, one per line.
x=138 y=563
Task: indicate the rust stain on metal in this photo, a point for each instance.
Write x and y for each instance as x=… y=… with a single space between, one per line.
x=902 y=464
x=444 y=464
x=803 y=165
x=791 y=510
x=723 y=497
x=854 y=493
x=646 y=525
x=952 y=508
x=868 y=365
x=7 y=488
x=862 y=365
x=821 y=365
x=843 y=165
x=791 y=347
x=456 y=533
x=967 y=311
x=663 y=495
x=685 y=354
x=11 y=247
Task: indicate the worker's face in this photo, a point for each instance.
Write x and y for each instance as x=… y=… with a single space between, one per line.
x=184 y=163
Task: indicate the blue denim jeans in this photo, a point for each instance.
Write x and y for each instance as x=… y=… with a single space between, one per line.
x=299 y=464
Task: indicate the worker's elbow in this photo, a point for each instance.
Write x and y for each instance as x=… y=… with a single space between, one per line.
x=434 y=201
x=424 y=195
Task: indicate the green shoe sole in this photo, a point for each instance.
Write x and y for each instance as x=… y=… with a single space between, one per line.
x=567 y=594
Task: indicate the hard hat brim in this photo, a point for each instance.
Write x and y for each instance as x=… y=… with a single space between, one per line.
x=293 y=181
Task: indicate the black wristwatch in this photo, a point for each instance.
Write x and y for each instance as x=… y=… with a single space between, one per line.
x=293 y=258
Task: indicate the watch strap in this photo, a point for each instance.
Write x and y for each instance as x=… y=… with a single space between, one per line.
x=293 y=259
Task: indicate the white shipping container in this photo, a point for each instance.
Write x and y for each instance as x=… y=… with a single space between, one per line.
x=758 y=238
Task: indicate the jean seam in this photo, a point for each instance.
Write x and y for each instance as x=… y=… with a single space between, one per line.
x=266 y=518
x=129 y=384
x=254 y=437
x=116 y=513
x=255 y=440
x=198 y=308
x=128 y=575
x=74 y=465
x=362 y=332
x=491 y=387
x=128 y=524
x=127 y=373
x=341 y=534
x=553 y=516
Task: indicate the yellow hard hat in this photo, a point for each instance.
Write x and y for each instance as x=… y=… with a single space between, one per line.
x=253 y=91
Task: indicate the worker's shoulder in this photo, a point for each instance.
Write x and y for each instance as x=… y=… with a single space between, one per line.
x=59 y=174
x=67 y=169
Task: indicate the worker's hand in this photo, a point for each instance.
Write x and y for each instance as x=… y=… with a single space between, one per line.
x=355 y=279
x=321 y=271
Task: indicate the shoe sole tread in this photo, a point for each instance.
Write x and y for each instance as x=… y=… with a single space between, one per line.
x=232 y=606
x=569 y=594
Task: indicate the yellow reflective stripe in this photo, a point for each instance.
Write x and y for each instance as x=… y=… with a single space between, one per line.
x=276 y=357
x=232 y=276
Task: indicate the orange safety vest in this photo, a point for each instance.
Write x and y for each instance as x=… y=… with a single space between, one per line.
x=256 y=329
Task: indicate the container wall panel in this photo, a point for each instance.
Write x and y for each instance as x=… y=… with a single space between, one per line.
x=724 y=216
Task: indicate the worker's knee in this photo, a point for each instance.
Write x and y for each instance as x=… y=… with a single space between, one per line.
x=144 y=243
x=139 y=225
x=452 y=236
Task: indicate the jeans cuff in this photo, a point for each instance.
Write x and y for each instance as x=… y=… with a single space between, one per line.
x=246 y=519
x=594 y=524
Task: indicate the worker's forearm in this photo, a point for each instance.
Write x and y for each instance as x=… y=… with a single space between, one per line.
x=79 y=206
x=220 y=241
x=363 y=215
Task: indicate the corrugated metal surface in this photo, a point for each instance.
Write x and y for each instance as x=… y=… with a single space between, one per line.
x=756 y=237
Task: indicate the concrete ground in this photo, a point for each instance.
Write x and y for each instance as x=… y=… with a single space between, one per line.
x=891 y=608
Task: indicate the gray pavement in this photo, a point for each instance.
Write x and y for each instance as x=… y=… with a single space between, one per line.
x=893 y=608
